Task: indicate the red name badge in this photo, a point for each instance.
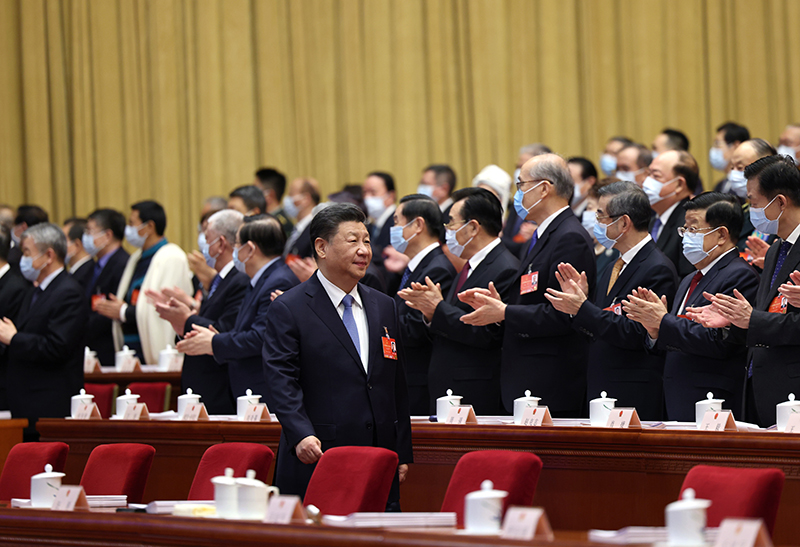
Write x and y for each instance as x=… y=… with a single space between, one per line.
x=389 y=348
x=95 y=299
x=616 y=308
x=529 y=283
x=778 y=304
x=134 y=297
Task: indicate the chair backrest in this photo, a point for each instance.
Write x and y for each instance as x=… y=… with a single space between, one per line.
x=115 y=469
x=737 y=492
x=154 y=394
x=26 y=460
x=239 y=456
x=514 y=472
x=105 y=396
x=349 y=479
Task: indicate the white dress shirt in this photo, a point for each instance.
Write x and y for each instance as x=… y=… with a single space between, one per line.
x=337 y=295
x=543 y=226
x=4 y=270
x=49 y=279
x=414 y=262
x=478 y=257
x=633 y=251
x=78 y=264
x=664 y=217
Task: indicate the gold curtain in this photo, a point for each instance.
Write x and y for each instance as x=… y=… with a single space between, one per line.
x=105 y=102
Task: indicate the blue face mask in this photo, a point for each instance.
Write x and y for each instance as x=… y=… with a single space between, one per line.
x=760 y=221
x=26 y=267
x=738 y=183
x=238 y=264
x=452 y=242
x=716 y=157
x=289 y=207
x=521 y=210
x=608 y=163
x=206 y=250
x=396 y=237
x=88 y=244
x=134 y=237
x=425 y=190
x=589 y=219
x=693 y=246
x=601 y=234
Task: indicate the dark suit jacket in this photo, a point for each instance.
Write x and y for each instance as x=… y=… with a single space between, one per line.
x=13 y=290
x=618 y=363
x=671 y=244
x=417 y=339
x=698 y=359
x=381 y=240
x=466 y=359
x=541 y=351
x=772 y=339
x=240 y=347
x=202 y=373
x=98 y=328
x=45 y=357
x=83 y=275
x=316 y=382
x=302 y=245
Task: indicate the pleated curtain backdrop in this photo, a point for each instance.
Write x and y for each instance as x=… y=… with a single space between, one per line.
x=105 y=102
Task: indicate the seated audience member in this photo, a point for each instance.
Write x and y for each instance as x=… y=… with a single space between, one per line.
x=608 y=160
x=44 y=347
x=272 y=184
x=728 y=137
x=516 y=231
x=789 y=142
x=699 y=359
x=27 y=216
x=497 y=181
x=78 y=262
x=301 y=203
x=248 y=200
x=13 y=290
x=670 y=139
x=155 y=265
x=584 y=175
x=438 y=182
x=633 y=163
x=618 y=361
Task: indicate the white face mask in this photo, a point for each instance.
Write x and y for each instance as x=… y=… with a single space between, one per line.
x=375 y=206
x=452 y=242
x=738 y=183
x=134 y=237
x=653 y=188
x=425 y=190
x=786 y=150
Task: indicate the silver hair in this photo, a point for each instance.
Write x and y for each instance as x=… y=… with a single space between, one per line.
x=557 y=173
x=216 y=202
x=47 y=235
x=226 y=223
x=535 y=149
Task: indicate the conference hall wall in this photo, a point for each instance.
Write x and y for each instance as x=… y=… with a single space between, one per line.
x=104 y=102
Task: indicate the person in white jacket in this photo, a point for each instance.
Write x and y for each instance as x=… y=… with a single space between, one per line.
x=156 y=265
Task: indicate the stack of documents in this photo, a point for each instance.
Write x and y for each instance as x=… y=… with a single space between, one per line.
x=391 y=520
x=640 y=534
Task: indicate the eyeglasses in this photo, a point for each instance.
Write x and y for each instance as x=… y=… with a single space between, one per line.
x=606 y=217
x=451 y=225
x=683 y=230
x=520 y=182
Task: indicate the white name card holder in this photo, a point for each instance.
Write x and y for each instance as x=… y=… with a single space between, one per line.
x=257 y=413
x=88 y=412
x=285 y=510
x=526 y=523
x=91 y=364
x=719 y=420
x=70 y=498
x=623 y=418
x=194 y=413
x=743 y=533
x=136 y=412
x=793 y=423
x=536 y=416
x=460 y=415
x=131 y=365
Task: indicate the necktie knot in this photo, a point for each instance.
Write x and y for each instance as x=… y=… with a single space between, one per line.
x=347 y=301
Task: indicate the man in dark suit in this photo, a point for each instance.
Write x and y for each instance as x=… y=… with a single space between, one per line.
x=417 y=223
x=301 y=203
x=13 y=290
x=105 y=229
x=273 y=184
x=379 y=199
x=79 y=263
x=768 y=324
x=333 y=358
x=541 y=351
x=257 y=253
x=220 y=308
x=45 y=353
x=27 y=216
x=699 y=359
x=618 y=362
x=673 y=179
x=466 y=359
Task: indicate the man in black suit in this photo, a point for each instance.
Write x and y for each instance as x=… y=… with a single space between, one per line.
x=768 y=324
x=541 y=351
x=273 y=184
x=673 y=179
x=699 y=359
x=79 y=263
x=44 y=345
x=466 y=359
x=102 y=239
x=27 y=216
x=220 y=308
x=417 y=223
x=618 y=362
x=333 y=358
x=13 y=290
x=379 y=199
x=301 y=203
x=257 y=253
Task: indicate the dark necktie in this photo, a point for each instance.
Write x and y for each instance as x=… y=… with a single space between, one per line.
x=534 y=239
x=35 y=296
x=98 y=269
x=695 y=280
x=214 y=285
x=406 y=275
x=462 y=278
x=656 y=227
x=784 y=250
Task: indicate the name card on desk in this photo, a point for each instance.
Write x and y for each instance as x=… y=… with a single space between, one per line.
x=91 y=364
x=793 y=423
x=536 y=416
x=285 y=510
x=743 y=533
x=194 y=413
x=136 y=412
x=719 y=420
x=462 y=414
x=70 y=498
x=622 y=418
x=526 y=523
x=257 y=413
x=131 y=365
x=88 y=412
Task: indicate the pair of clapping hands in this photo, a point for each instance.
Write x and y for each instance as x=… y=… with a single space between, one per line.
x=175 y=306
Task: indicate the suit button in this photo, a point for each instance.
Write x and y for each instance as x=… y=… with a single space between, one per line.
x=369 y=386
x=369 y=425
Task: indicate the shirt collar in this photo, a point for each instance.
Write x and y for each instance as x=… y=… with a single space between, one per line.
x=666 y=214
x=478 y=257
x=628 y=256
x=227 y=268
x=261 y=271
x=336 y=294
x=4 y=269
x=78 y=264
x=445 y=204
x=414 y=262
x=106 y=257
x=154 y=249
x=708 y=268
x=47 y=280
x=386 y=215
x=543 y=226
x=794 y=235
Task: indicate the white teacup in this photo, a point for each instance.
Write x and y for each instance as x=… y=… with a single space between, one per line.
x=124 y=400
x=244 y=401
x=483 y=509
x=253 y=497
x=187 y=399
x=522 y=403
x=686 y=520
x=44 y=487
x=225 y=495
x=82 y=398
x=600 y=409
x=703 y=406
x=784 y=410
x=123 y=357
x=445 y=403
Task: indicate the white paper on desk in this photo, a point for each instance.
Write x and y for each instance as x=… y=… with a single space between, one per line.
x=640 y=534
x=5 y=414
x=94 y=501
x=168 y=415
x=391 y=520
x=165 y=507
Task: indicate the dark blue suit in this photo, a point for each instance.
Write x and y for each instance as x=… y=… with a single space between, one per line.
x=618 y=363
x=317 y=385
x=698 y=359
x=98 y=328
x=541 y=351
x=240 y=348
x=203 y=373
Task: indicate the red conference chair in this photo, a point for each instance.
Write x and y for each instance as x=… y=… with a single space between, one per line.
x=116 y=469
x=514 y=472
x=26 y=460
x=239 y=456
x=351 y=479
x=154 y=394
x=105 y=396
x=737 y=492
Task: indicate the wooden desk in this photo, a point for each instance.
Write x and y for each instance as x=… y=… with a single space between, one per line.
x=589 y=473
x=10 y=434
x=123 y=379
